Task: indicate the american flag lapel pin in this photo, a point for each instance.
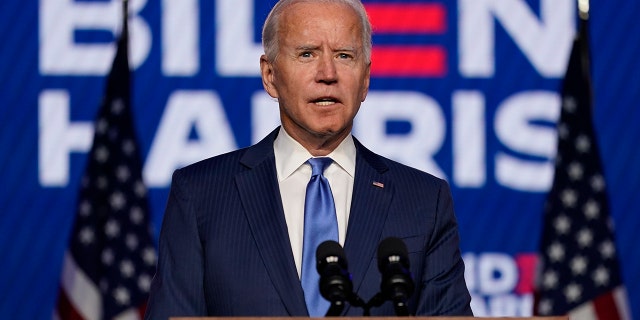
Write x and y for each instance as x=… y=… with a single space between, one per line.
x=378 y=184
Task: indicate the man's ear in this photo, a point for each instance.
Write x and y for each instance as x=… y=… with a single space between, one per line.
x=266 y=71
x=367 y=80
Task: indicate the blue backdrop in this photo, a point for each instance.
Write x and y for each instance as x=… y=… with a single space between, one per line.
x=469 y=93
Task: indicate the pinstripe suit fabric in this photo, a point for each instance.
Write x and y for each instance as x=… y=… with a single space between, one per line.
x=224 y=248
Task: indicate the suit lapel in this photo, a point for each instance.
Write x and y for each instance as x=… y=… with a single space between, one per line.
x=372 y=194
x=258 y=189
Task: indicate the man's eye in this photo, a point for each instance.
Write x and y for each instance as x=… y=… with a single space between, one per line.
x=305 y=55
x=344 y=56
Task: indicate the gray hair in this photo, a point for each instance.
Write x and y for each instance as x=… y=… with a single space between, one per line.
x=272 y=23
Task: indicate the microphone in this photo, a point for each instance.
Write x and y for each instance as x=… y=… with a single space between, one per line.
x=397 y=283
x=335 y=280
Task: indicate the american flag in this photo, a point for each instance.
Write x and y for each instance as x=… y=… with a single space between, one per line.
x=110 y=260
x=580 y=272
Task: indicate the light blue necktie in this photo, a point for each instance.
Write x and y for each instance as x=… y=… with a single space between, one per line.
x=320 y=224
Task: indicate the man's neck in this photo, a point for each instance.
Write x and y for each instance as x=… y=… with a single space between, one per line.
x=319 y=145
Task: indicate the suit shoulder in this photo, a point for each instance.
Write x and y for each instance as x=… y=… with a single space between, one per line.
x=400 y=172
x=419 y=177
x=224 y=163
x=232 y=162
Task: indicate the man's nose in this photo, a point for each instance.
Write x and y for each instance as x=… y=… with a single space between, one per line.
x=327 y=72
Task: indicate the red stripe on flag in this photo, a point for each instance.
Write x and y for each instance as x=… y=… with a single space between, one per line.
x=605 y=306
x=142 y=309
x=408 y=18
x=412 y=61
x=65 y=308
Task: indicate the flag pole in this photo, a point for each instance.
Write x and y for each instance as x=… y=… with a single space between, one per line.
x=125 y=17
x=583 y=45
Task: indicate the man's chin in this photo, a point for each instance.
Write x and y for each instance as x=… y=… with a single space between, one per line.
x=328 y=132
x=318 y=132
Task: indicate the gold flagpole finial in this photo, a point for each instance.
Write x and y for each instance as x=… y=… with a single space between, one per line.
x=583 y=9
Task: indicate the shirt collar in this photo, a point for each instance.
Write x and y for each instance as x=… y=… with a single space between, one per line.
x=290 y=155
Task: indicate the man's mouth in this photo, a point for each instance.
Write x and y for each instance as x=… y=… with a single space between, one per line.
x=326 y=101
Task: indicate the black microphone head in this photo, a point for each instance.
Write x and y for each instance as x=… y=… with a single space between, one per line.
x=330 y=248
x=335 y=280
x=390 y=250
x=330 y=252
x=393 y=263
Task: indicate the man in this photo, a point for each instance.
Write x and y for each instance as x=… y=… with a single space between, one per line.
x=232 y=237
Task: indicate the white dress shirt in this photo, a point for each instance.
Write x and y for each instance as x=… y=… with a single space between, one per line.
x=294 y=175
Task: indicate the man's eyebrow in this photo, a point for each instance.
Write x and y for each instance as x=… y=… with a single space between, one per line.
x=314 y=47
x=307 y=48
x=350 y=49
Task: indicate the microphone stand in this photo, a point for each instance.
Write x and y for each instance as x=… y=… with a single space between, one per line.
x=400 y=305
x=335 y=309
x=376 y=301
x=337 y=306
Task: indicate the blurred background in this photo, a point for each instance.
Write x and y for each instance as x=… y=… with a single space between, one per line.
x=468 y=90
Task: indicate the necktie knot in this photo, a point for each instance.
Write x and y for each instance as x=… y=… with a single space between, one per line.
x=318 y=165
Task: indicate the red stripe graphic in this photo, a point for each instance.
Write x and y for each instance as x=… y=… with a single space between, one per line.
x=605 y=306
x=420 y=18
x=412 y=61
x=526 y=263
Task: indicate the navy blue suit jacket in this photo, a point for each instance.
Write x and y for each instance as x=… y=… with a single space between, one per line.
x=224 y=247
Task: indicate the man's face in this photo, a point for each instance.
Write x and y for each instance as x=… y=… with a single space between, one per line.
x=320 y=76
